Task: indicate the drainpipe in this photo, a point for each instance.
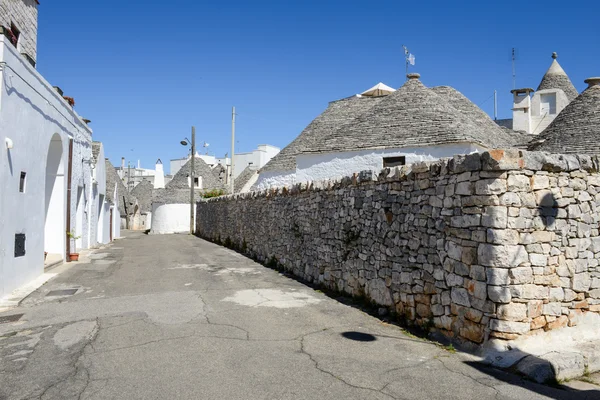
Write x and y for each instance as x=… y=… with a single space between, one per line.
x=69 y=175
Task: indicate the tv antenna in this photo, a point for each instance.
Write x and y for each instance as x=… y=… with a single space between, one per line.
x=514 y=71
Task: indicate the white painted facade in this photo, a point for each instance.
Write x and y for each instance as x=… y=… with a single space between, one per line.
x=99 y=218
x=37 y=124
x=170 y=218
x=317 y=167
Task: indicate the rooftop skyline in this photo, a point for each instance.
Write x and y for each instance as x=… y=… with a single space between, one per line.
x=146 y=73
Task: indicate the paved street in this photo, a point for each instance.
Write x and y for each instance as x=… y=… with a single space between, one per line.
x=176 y=317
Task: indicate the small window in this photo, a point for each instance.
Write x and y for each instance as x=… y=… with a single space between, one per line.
x=390 y=162
x=22 y=182
x=19 y=245
x=14 y=35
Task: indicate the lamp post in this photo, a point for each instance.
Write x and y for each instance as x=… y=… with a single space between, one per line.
x=192 y=171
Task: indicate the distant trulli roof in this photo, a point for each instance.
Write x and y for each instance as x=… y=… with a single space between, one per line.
x=415 y=115
x=338 y=113
x=576 y=129
x=112 y=178
x=243 y=178
x=556 y=78
x=201 y=168
x=381 y=89
x=143 y=193
x=219 y=172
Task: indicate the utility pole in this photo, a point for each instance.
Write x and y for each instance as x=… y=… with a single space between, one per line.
x=513 y=69
x=495 y=105
x=128 y=176
x=192 y=183
x=232 y=147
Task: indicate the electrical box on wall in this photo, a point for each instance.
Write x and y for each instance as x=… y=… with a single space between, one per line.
x=19 y=245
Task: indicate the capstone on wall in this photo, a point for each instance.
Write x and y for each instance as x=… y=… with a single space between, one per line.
x=24 y=15
x=498 y=244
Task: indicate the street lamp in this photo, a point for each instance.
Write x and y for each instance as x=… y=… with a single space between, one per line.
x=186 y=142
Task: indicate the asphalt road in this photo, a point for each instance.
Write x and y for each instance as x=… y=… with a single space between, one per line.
x=176 y=317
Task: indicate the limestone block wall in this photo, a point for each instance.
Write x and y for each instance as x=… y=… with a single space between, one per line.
x=24 y=14
x=498 y=244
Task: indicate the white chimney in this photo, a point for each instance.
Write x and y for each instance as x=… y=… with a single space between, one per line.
x=159 y=175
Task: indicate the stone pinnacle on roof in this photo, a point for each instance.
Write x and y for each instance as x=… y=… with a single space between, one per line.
x=576 y=130
x=556 y=78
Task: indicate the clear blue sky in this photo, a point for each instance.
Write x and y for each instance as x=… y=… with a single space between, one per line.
x=145 y=71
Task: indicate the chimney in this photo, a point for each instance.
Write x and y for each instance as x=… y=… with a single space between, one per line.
x=593 y=81
x=122 y=174
x=522 y=109
x=159 y=175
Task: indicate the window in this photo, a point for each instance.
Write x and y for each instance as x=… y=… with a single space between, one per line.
x=22 y=182
x=547 y=104
x=390 y=162
x=197 y=182
x=14 y=35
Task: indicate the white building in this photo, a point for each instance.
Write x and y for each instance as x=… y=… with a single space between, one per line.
x=534 y=110
x=45 y=146
x=256 y=159
x=133 y=175
x=392 y=128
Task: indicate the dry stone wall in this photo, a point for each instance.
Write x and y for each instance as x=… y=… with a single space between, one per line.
x=498 y=244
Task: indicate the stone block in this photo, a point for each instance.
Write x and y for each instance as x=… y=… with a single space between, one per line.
x=495 y=217
x=509 y=326
x=538 y=323
x=469 y=255
x=521 y=275
x=560 y=322
x=472 y=331
x=518 y=183
x=581 y=282
x=460 y=296
x=530 y=292
x=512 y=311
x=538 y=260
x=465 y=188
x=498 y=276
x=477 y=289
x=501 y=256
x=535 y=309
x=540 y=182
x=478 y=273
x=502 y=160
x=556 y=294
x=503 y=236
x=553 y=309
x=499 y=294
x=490 y=186
x=465 y=221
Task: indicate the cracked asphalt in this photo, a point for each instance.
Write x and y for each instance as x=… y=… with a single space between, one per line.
x=176 y=317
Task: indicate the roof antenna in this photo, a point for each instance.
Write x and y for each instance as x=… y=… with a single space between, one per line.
x=514 y=72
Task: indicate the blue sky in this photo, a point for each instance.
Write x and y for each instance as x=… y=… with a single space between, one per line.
x=145 y=71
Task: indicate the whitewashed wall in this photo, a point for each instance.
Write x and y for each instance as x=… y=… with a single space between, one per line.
x=31 y=114
x=170 y=218
x=315 y=167
x=96 y=220
x=273 y=179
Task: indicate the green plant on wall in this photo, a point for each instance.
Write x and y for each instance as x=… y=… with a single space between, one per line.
x=213 y=193
x=73 y=236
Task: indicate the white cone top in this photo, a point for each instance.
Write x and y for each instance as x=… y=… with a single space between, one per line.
x=555 y=69
x=380 y=89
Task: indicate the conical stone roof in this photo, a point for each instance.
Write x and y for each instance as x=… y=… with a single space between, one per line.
x=143 y=193
x=576 y=130
x=414 y=116
x=201 y=168
x=556 y=78
x=338 y=113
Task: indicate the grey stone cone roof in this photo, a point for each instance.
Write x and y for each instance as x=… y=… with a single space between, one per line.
x=143 y=193
x=96 y=150
x=338 y=113
x=576 y=130
x=220 y=173
x=556 y=78
x=201 y=168
x=243 y=178
x=111 y=178
x=470 y=111
x=414 y=116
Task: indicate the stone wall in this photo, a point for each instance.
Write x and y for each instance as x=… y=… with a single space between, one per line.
x=24 y=14
x=498 y=244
